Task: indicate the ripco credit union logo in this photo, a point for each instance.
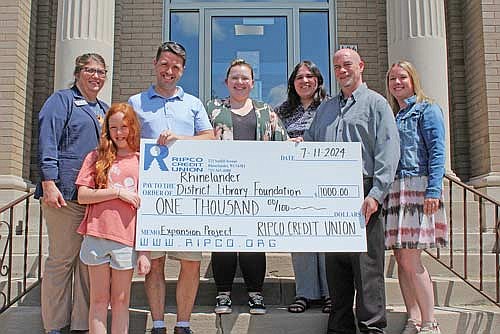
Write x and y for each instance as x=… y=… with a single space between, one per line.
x=156 y=152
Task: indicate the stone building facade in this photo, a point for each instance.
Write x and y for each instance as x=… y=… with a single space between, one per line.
x=456 y=42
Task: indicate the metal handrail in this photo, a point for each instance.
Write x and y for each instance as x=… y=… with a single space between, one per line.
x=7 y=252
x=485 y=202
x=7 y=256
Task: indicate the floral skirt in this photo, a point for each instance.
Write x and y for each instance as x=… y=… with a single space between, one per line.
x=406 y=226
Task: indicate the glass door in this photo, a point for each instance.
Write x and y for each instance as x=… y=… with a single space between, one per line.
x=262 y=38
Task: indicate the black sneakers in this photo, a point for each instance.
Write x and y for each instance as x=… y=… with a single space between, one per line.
x=256 y=304
x=223 y=304
x=182 y=330
x=161 y=330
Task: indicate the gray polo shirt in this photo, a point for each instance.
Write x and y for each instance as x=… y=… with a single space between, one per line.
x=367 y=118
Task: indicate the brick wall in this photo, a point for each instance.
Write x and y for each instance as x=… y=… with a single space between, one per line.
x=473 y=37
x=382 y=43
x=16 y=87
x=364 y=23
x=491 y=134
x=138 y=32
x=476 y=87
x=459 y=128
x=46 y=13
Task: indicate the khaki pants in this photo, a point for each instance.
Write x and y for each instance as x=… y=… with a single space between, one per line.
x=65 y=283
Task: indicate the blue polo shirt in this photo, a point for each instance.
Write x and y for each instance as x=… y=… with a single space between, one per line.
x=183 y=114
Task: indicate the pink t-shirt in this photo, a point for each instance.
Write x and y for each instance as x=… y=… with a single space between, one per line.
x=113 y=219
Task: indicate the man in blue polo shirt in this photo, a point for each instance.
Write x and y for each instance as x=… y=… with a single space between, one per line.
x=167 y=113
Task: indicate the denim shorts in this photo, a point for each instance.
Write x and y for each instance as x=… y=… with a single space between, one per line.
x=189 y=256
x=97 y=251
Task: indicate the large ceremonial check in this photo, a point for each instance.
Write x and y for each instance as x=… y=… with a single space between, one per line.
x=250 y=196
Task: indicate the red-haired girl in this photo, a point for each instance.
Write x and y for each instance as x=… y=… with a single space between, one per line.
x=108 y=182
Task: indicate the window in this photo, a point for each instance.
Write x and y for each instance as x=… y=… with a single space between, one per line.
x=314 y=43
x=185 y=29
x=273 y=35
x=262 y=42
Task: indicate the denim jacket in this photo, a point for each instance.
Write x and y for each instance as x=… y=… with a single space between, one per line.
x=421 y=131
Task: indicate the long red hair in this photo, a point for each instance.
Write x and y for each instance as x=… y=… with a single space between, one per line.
x=106 y=152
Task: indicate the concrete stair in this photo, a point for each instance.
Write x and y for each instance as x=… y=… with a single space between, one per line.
x=459 y=309
x=281 y=291
x=279 y=265
x=276 y=321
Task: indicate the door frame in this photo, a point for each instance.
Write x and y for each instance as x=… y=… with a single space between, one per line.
x=206 y=62
x=232 y=7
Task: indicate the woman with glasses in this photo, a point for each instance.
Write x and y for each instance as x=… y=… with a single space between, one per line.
x=305 y=94
x=69 y=128
x=239 y=117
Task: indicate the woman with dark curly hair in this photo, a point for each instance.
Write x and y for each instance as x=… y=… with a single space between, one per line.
x=305 y=94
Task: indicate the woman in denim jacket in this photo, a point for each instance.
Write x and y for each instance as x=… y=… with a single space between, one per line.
x=415 y=216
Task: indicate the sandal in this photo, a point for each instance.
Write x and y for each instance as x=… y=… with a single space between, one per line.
x=299 y=305
x=327 y=305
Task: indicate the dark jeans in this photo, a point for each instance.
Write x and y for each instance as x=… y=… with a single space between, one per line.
x=253 y=268
x=362 y=273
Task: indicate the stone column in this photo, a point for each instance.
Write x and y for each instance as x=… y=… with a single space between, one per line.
x=16 y=93
x=84 y=26
x=416 y=32
x=482 y=43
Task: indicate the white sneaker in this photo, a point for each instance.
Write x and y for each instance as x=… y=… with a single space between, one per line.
x=411 y=327
x=430 y=327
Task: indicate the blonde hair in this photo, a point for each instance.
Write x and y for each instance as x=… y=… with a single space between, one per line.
x=415 y=79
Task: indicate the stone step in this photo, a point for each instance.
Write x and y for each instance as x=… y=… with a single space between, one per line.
x=458 y=194
x=467 y=320
x=458 y=217
x=457 y=210
x=20 y=216
x=17 y=269
x=280 y=265
x=438 y=270
x=473 y=244
x=473 y=215
x=281 y=291
x=18 y=242
x=457 y=206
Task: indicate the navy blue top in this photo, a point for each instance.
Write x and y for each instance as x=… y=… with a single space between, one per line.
x=68 y=130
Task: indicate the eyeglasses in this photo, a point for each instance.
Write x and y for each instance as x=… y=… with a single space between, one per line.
x=172 y=46
x=92 y=71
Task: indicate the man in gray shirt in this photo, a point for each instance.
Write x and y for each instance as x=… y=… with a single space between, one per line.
x=359 y=114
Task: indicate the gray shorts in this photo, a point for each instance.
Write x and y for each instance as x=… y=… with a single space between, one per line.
x=97 y=251
x=189 y=256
